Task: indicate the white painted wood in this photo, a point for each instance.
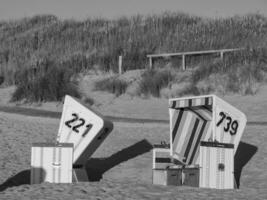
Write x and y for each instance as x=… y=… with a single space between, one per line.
x=83 y=127
x=216 y=166
x=51 y=163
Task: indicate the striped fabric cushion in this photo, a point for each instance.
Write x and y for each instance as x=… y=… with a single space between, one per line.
x=189 y=127
x=161 y=157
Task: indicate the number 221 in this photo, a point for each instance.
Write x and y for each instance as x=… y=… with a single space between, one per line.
x=76 y=127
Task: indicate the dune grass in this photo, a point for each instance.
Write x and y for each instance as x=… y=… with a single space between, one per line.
x=98 y=42
x=51 y=84
x=241 y=72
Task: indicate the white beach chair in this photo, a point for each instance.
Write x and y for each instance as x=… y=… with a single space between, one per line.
x=83 y=127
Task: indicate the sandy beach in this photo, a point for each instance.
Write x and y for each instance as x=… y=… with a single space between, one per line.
x=121 y=167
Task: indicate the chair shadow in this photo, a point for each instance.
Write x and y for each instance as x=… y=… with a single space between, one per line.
x=243 y=154
x=21 y=178
x=96 y=167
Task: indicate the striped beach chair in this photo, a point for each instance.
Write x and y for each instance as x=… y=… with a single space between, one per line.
x=202 y=118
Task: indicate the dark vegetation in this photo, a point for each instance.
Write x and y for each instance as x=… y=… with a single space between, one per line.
x=44 y=44
x=48 y=84
x=155 y=80
x=112 y=84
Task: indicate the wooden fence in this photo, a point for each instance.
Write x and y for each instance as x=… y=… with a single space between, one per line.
x=184 y=54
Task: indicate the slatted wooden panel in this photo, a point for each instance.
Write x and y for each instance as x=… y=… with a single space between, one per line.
x=51 y=163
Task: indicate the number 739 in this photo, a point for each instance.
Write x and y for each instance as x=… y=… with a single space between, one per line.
x=230 y=125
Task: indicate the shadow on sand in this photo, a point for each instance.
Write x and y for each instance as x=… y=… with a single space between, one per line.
x=96 y=167
x=243 y=154
x=21 y=178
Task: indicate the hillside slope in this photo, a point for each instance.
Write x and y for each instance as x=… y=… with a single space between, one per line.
x=97 y=43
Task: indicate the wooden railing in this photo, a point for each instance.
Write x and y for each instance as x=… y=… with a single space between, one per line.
x=184 y=54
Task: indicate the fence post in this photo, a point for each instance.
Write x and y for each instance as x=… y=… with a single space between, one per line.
x=120 y=64
x=221 y=55
x=183 y=62
x=150 y=62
